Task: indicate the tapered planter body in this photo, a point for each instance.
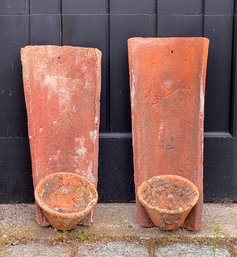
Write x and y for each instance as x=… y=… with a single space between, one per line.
x=167 y=85
x=62 y=93
x=65 y=199
x=168 y=199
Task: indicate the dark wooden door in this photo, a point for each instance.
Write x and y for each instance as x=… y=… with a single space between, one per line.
x=107 y=24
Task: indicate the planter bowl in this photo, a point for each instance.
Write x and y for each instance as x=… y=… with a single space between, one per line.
x=65 y=199
x=168 y=199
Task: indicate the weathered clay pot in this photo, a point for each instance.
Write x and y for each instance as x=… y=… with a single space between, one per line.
x=167 y=88
x=65 y=199
x=168 y=199
x=62 y=93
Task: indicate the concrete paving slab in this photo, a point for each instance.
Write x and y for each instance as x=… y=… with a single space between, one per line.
x=119 y=220
x=189 y=250
x=36 y=250
x=116 y=231
x=115 y=249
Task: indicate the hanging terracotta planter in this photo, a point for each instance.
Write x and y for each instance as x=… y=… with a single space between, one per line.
x=168 y=199
x=62 y=92
x=65 y=199
x=167 y=89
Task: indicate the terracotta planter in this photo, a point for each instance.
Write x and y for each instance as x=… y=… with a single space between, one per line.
x=65 y=199
x=168 y=199
x=167 y=88
x=62 y=93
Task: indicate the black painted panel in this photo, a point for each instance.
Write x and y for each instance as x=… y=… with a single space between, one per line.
x=84 y=6
x=14 y=35
x=219 y=30
x=90 y=31
x=45 y=6
x=132 y=6
x=115 y=161
x=220 y=176
x=180 y=25
x=116 y=183
x=233 y=116
x=180 y=6
x=45 y=29
x=15 y=169
x=14 y=7
x=219 y=6
x=123 y=27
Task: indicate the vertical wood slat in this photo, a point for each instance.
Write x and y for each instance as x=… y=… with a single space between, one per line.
x=115 y=173
x=233 y=106
x=179 y=25
x=45 y=6
x=15 y=169
x=132 y=6
x=45 y=29
x=218 y=28
x=11 y=7
x=213 y=7
x=84 y=6
x=15 y=165
x=14 y=35
x=183 y=7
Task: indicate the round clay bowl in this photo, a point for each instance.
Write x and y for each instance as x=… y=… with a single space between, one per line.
x=168 y=199
x=65 y=199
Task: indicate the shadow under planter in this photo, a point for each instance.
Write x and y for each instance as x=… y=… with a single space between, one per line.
x=167 y=87
x=62 y=91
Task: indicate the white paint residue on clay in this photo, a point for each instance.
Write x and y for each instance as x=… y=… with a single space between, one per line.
x=168 y=84
x=74 y=109
x=201 y=113
x=201 y=97
x=55 y=157
x=89 y=174
x=80 y=150
x=77 y=139
x=59 y=85
x=160 y=130
x=93 y=135
x=133 y=90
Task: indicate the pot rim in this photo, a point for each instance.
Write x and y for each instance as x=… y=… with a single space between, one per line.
x=71 y=215
x=165 y=211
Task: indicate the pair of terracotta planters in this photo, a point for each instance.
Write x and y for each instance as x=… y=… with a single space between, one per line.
x=62 y=92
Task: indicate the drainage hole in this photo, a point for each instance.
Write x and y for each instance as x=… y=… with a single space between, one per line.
x=65 y=191
x=171 y=51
